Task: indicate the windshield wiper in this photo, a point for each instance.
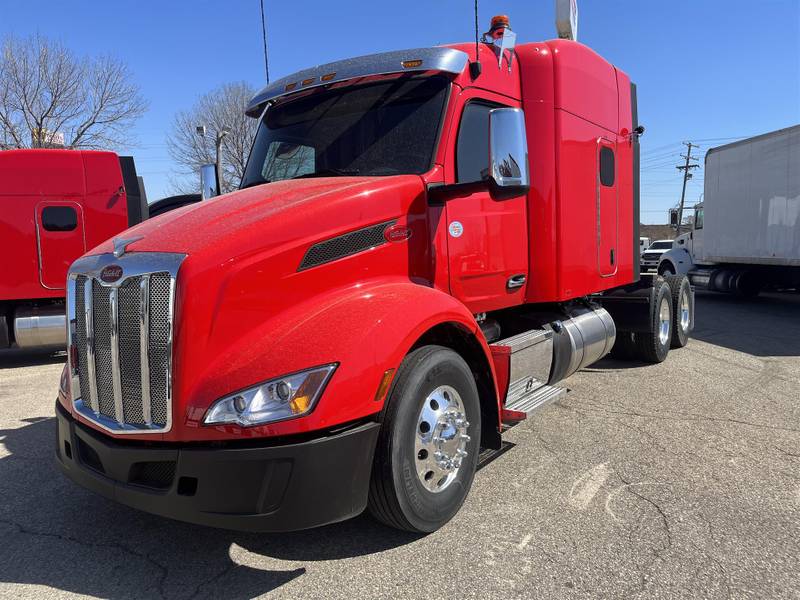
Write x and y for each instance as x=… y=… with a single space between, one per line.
x=328 y=173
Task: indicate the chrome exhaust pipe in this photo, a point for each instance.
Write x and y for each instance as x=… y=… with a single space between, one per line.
x=40 y=327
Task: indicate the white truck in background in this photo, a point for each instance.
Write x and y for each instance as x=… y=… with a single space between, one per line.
x=746 y=232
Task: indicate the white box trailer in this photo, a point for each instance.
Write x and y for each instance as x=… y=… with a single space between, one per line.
x=746 y=234
x=752 y=201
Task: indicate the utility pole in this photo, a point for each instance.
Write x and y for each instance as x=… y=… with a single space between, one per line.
x=687 y=175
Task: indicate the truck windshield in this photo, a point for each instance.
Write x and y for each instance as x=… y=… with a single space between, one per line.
x=385 y=128
x=660 y=246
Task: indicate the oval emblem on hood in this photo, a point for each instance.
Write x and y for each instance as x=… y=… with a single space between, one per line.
x=111 y=273
x=396 y=233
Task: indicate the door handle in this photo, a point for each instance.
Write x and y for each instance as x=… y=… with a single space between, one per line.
x=515 y=281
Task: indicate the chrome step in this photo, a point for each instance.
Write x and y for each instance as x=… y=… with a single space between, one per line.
x=529 y=394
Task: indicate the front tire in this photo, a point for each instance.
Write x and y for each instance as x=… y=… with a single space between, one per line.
x=428 y=445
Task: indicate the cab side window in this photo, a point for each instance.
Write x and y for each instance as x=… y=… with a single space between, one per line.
x=472 y=146
x=698 y=218
x=606 y=166
x=59 y=218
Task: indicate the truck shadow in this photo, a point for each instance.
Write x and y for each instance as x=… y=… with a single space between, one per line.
x=58 y=535
x=12 y=359
x=768 y=325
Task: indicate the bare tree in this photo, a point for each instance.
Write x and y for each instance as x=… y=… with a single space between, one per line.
x=47 y=92
x=221 y=109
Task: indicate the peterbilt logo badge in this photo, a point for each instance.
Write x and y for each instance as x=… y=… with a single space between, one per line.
x=396 y=233
x=111 y=273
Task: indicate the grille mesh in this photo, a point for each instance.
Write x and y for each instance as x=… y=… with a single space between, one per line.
x=345 y=245
x=129 y=351
x=80 y=336
x=101 y=311
x=159 y=335
x=129 y=307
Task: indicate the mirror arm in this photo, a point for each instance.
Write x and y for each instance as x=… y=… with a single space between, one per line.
x=439 y=193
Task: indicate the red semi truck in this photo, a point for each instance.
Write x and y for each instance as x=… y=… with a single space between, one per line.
x=424 y=243
x=56 y=205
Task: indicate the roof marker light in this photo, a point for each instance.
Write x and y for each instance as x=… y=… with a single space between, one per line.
x=290 y=86
x=307 y=81
x=328 y=77
x=409 y=64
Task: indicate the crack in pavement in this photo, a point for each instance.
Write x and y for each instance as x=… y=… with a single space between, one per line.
x=164 y=571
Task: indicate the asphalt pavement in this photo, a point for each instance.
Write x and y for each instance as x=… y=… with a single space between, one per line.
x=673 y=480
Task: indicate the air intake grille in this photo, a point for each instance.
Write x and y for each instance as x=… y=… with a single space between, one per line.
x=345 y=245
x=123 y=368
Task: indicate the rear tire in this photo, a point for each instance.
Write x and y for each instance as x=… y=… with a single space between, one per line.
x=432 y=421
x=682 y=309
x=653 y=346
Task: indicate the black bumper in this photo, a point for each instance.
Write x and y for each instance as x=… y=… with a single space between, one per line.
x=271 y=488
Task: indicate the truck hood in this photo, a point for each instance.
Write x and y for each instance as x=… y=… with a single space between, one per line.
x=267 y=216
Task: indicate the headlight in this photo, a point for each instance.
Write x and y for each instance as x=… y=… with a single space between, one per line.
x=274 y=400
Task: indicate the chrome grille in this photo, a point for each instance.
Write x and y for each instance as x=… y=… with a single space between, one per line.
x=101 y=304
x=159 y=333
x=121 y=341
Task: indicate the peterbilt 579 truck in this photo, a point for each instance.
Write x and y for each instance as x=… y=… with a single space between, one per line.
x=423 y=244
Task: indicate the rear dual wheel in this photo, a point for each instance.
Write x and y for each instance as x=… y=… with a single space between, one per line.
x=682 y=309
x=428 y=445
x=653 y=346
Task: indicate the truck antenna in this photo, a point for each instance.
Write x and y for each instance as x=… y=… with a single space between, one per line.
x=475 y=66
x=264 y=37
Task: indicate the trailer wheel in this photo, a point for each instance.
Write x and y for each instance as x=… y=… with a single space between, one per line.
x=428 y=445
x=682 y=309
x=653 y=346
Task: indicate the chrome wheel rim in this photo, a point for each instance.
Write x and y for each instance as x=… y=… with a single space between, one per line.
x=684 y=310
x=441 y=439
x=663 y=321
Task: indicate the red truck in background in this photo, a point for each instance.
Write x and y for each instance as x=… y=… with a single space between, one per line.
x=424 y=244
x=56 y=205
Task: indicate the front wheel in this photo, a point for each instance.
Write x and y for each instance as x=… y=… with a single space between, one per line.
x=428 y=445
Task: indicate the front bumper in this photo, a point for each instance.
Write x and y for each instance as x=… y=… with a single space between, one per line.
x=648 y=266
x=263 y=488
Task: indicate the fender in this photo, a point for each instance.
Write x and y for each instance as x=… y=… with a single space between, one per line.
x=367 y=329
x=679 y=260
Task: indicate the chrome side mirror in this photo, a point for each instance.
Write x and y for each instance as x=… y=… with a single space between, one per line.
x=209 y=186
x=508 y=151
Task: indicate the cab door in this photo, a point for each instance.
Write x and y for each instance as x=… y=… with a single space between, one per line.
x=60 y=239
x=487 y=237
x=607 y=217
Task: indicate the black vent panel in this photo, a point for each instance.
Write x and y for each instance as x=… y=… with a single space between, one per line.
x=154 y=474
x=345 y=245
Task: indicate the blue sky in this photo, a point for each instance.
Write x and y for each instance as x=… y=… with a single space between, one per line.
x=707 y=70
